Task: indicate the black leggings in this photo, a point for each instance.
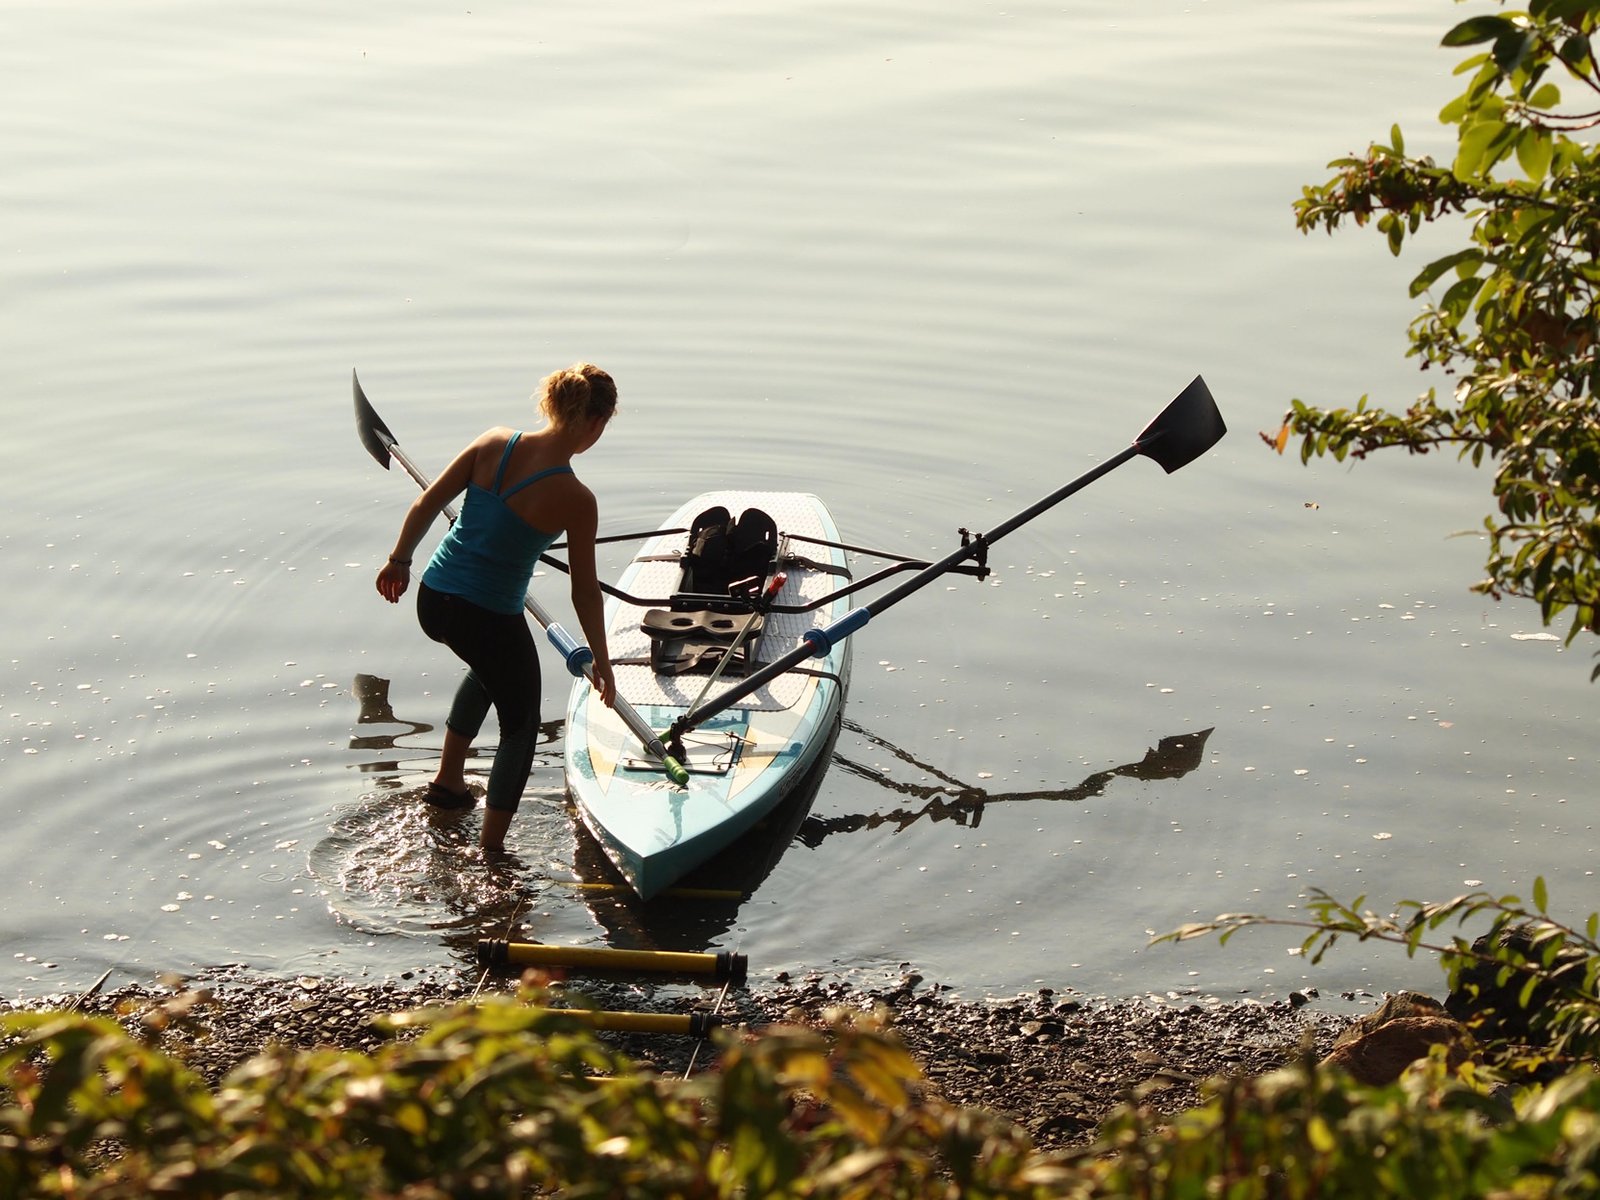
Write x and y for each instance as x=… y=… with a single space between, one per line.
x=503 y=670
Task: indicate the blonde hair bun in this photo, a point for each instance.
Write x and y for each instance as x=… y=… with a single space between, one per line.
x=577 y=393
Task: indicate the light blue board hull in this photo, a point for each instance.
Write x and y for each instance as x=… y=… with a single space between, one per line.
x=744 y=762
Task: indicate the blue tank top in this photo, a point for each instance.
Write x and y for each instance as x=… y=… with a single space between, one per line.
x=489 y=554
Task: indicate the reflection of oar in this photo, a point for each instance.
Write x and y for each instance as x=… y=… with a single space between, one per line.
x=1174 y=757
x=383 y=445
x=1181 y=433
x=372 y=694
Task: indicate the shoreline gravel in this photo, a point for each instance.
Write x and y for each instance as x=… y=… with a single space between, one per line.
x=1055 y=1063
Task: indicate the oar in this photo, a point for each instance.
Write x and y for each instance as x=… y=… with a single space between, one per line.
x=383 y=446
x=1181 y=433
x=773 y=589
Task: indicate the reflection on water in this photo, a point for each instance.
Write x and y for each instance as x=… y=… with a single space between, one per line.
x=372 y=694
x=394 y=865
x=738 y=872
x=952 y=800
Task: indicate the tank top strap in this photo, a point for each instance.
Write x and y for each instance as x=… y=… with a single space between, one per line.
x=534 y=478
x=500 y=471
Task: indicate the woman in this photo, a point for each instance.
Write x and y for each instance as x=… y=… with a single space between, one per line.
x=521 y=495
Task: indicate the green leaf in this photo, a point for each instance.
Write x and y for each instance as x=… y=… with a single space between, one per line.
x=1510 y=50
x=1396 y=231
x=1478 y=29
x=1534 y=150
x=1483 y=144
x=1541 y=896
x=1397 y=141
x=1430 y=274
x=1525 y=995
x=1481 y=89
x=1547 y=97
x=1474 y=142
x=1457 y=300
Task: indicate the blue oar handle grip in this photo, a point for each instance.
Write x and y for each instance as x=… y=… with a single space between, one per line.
x=825 y=639
x=578 y=656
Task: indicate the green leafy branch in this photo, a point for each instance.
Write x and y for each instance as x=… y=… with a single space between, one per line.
x=1513 y=316
x=1551 y=962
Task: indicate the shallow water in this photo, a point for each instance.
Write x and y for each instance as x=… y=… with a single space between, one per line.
x=929 y=265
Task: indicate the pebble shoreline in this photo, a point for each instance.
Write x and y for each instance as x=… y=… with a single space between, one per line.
x=1056 y=1064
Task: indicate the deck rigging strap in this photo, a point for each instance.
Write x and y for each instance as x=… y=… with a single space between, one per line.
x=814 y=672
x=783 y=560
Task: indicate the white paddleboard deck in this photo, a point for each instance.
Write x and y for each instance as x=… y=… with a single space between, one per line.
x=744 y=761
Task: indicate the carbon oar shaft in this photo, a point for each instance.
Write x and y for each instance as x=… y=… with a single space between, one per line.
x=1185 y=429
x=819 y=641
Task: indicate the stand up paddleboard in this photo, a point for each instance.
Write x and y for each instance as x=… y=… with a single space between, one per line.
x=739 y=573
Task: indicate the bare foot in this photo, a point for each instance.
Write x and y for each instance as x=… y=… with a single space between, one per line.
x=495 y=823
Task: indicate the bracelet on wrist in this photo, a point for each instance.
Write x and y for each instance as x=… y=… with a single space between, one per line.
x=400 y=562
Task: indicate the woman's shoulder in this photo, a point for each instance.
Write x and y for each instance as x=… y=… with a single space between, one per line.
x=499 y=435
x=572 y=493
x=491 y=443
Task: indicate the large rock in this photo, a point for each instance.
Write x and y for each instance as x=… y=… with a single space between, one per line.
x=1381 y=1055
x=1377 y=1048
x=1393 y=1008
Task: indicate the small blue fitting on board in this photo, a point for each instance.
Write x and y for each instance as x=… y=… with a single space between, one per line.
x=825 y=639
x=577 y=656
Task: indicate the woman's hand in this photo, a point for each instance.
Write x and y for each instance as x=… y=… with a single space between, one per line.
x=395 y=576
x=393 y=579
x=605 y=684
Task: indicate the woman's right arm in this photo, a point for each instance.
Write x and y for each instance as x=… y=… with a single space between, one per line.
x=395 y=575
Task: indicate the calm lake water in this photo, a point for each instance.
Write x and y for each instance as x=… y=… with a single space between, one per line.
x=929 y=262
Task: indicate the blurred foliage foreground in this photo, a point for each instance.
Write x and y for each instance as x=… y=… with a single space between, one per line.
x=508 y=1099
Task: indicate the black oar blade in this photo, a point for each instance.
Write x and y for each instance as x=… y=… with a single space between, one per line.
x=1185 y=430
x=375 y=435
